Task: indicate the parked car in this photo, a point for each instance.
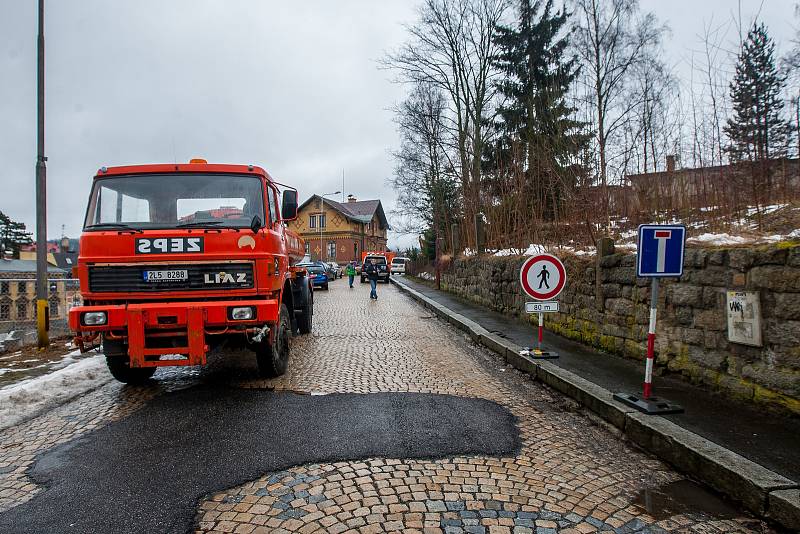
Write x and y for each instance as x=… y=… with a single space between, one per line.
x=399 y=265
x=328 y=269
x=318 y=274
x=337 y=270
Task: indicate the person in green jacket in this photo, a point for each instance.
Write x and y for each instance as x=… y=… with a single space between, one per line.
x=351 y=273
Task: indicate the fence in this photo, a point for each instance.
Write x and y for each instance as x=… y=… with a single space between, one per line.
x=18 y=309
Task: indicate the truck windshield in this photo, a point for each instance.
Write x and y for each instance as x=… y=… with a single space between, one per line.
x=150 y=201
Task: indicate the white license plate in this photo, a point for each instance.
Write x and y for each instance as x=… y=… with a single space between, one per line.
x=175 y=275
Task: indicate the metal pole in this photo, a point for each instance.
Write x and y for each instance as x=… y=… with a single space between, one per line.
x=42 y=309
x=651 y=340
x=321 y=215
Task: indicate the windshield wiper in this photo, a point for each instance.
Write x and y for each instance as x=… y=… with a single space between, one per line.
x=197 y=224
x=120 y=226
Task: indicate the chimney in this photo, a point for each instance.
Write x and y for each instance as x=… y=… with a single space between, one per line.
x=671 y=163
x=351 y=198
x=64 y=244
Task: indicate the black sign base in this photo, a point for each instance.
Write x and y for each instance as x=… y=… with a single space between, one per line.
x=651 y=406
x=538 y=354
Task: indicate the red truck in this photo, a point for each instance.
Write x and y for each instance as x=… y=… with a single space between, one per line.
x=176 y=259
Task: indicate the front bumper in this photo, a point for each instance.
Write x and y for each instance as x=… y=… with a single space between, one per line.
x=140 y=324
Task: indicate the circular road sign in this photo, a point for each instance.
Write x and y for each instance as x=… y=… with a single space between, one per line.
x=543 y=276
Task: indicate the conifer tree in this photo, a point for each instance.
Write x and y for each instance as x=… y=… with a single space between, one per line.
x=12 y=235
x=758 y=130
x=536 y=120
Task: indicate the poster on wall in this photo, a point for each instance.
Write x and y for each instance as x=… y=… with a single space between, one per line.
x=744 y=318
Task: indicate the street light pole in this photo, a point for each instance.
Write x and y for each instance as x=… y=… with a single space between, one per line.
x=321 y=216
x=42 y=309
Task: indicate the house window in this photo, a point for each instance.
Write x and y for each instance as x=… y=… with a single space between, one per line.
x=22 y=287
x=322 y=220
x=4 y=288
x=331 y=250
x=312 y=221
x=5 y=312
x=355 y=250
x=308 y=247
x=22 y=309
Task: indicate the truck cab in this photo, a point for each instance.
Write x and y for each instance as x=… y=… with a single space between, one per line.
x=178 y=258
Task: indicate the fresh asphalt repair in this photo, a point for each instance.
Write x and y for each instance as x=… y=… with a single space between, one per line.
x=147 y=472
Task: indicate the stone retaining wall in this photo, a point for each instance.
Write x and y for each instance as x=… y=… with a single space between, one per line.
x=610 y=312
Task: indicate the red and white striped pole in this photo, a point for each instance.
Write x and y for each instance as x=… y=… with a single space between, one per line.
x=541 y=330
x=651 y=340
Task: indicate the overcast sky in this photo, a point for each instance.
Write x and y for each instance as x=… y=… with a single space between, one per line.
x=291 y=86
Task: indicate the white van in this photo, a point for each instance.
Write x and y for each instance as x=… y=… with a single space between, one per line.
x=399 y=265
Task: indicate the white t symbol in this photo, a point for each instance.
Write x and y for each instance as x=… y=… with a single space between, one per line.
x=661 y=257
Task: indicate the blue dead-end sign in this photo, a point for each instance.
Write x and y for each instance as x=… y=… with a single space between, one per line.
x=660 y=252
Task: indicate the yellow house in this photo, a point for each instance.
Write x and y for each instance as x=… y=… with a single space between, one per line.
x=336 y=231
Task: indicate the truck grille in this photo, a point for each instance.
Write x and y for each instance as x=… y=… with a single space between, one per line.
x=110 y=279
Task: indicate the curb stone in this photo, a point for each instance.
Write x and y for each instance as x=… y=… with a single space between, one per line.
x=760 y=490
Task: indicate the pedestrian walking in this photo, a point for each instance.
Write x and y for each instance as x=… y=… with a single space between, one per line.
x=351 y=273
x=372 y=274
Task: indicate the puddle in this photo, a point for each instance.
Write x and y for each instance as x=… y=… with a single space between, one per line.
x=683 y=497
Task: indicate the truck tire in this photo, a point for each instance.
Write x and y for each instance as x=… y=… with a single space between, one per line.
x=363 y=280
x=273 y=358
x=304 y=318
x=116 y=353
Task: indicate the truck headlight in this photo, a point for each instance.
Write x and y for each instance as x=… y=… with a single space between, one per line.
x=242 y=313
x=95 y=318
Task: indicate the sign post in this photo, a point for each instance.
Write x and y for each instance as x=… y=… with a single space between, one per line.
x=659 y=255
x=542 y=277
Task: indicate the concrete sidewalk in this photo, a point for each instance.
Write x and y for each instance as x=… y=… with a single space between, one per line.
x=765 y=438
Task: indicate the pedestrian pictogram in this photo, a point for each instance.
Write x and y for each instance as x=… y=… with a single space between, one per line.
x=542 y=277
x=660 y=254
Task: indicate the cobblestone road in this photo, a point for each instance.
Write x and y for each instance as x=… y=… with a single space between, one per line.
x=573 y=475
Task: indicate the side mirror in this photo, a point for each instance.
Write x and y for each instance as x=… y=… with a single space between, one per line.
x=289 y=205
x=256 y=224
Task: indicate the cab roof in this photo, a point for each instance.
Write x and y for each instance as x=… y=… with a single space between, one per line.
x=167 y=168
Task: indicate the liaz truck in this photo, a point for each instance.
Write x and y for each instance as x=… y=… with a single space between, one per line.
x=177 y=259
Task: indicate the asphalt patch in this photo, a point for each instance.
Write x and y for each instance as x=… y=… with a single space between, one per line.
x=148 y=472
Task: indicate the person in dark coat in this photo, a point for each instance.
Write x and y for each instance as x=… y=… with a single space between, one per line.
x=372 y=274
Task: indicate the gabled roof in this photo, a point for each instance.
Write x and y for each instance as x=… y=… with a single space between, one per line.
x=25 y=266
x=360 y=211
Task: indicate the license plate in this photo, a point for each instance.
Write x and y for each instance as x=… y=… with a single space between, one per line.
x=175 y=275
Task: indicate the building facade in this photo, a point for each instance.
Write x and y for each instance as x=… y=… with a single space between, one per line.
x=336 y=231
x=18 y=296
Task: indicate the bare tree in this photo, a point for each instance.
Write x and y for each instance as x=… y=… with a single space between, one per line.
x=611 y=37
x=424 y=176
x=450 y=48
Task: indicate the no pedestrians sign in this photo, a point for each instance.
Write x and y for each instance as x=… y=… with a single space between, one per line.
x=543 y=276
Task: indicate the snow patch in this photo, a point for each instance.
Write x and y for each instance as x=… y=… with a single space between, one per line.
x=29 y=398
x=728 y=239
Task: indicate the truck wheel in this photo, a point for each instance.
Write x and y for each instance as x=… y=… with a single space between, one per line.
x=273 y=359
x=362 y=280
x=116 y=353
x=306 y=309
x=121 y=370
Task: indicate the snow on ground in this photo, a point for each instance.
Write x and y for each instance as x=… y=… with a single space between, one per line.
x=728 y=239
x=29 y=398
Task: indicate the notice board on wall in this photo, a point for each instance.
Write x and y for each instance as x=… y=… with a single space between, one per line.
x=744 y=317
